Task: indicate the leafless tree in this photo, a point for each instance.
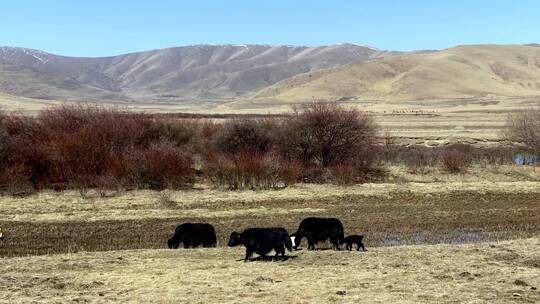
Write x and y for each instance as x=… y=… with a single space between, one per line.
x=329 y=133
x=524 y=128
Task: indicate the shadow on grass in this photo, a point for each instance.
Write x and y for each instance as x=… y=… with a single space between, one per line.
x=269 y=258
x=330 y=248
x=318 y=249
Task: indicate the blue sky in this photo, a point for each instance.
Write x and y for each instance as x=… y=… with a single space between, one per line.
x=99 y=28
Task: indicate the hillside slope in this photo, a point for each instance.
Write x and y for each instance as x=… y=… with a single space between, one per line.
x=174 y=74
x=460 y=72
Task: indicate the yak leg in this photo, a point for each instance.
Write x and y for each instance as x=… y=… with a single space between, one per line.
x=311 y=244
x=361 y=245
x=280 y=249
x=335 y=242
x=248 y=255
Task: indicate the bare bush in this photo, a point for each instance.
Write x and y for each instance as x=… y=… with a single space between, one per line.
x=421 y=159
x=158 y=167
x=524 y=128
x=87 y=147
x=349 y=173
x=251 y=170
x=329 y=133
x=455 y=158
x=6 y=144
x=14 y=180
x=246 y=135
x=178 y=132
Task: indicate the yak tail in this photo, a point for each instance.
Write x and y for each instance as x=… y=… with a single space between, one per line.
x=288 y=243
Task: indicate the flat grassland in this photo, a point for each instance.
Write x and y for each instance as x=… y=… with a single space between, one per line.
x=425 y=122
x=498 y=272
x=429 y=122
x=444 y=239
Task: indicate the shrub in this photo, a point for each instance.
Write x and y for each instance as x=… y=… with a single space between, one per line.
x=344 y=173
x=281 y=172
x=81 y=139
x=6 y=143
x=178 y=132
x=245 y=134
x=328 y=133
x=524 y=128
x=497 y=155
x=419 y=159
x=251 y=170
x=158 y=167
x=455 y=158
x=354 y=173
x=14 y=180
x=93 y=147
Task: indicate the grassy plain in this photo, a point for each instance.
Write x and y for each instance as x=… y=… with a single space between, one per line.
x=425 y=122
x=413 y=209
x=434 y=238
x=494 y=272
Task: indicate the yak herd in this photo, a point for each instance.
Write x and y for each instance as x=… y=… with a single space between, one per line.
x=263 y=240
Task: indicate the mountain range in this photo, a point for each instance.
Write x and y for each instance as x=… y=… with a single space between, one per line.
x=199 y=72
x=219 y=74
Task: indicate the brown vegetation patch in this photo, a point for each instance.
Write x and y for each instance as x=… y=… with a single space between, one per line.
x=396 y=219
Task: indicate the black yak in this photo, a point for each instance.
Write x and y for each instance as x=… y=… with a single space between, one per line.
x=193 y=235
x=317 y=229
x=262 y=241
x=356 y=240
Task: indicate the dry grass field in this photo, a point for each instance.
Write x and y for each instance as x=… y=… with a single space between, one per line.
x=415 y=209
x=431 y=239
x=495 y=272
x=427 y=122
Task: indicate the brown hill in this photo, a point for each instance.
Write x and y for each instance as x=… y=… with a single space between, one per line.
x=200 y=72
x=460 y=72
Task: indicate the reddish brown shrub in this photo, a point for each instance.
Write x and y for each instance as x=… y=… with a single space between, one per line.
x=523 y=128
x=90 y=146
x=251 y=170
x=346 y=173
x=194 y=135
x=455 y=158
x=246 y=134
x=179 y=132
x=353 y=173
x=15 y=180
x=329 y=134
x=80 y=140
x=163 y=166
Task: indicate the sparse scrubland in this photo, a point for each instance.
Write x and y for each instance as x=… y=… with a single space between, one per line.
x=92 y=147
x=91 y=195
x=81 y=147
